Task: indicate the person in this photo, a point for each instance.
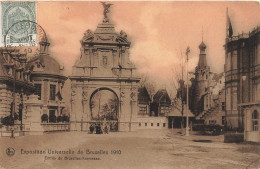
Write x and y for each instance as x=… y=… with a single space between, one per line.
x=97 y=129
x=106 y=129
x=91 y=129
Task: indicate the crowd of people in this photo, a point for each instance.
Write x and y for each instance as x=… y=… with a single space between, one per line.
x=99 y=128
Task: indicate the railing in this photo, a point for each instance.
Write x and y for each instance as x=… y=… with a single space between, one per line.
x=55 y=126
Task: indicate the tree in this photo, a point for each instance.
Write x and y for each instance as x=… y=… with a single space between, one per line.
x=149 y=85
x=178 y=88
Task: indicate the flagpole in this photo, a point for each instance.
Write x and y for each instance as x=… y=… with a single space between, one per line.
x=187 y=102
x=227 y=23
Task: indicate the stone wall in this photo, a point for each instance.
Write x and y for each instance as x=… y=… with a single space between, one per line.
x=152 y=123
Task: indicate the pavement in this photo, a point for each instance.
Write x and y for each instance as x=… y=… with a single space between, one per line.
x=142 y=149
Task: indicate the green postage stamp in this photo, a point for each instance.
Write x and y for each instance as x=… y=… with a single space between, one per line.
x=17 y=20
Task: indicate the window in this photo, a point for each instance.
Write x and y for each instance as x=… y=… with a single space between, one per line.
x=104 y=60
x=164 y=110
x=145 y=124
x=158 y=124
x=142 y=110
x=234 y=98
x=228 y=61
x=212 y=121
x=234 y=60
x=140 y=124
x=52 y=117
x=255 y=117
x=223 y=106
x=223 y=120
x=228 y=99
x=38 y=90
x=257 y=93
x=52 y=92
x=163 y=124
x=151 y=124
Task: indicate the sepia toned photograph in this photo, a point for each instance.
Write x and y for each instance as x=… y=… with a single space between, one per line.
x=129 y=85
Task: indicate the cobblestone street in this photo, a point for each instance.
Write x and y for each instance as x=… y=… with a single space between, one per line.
x=141 y=149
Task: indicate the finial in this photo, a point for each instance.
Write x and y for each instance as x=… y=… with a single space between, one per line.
x=202 y=33
x=106 y=11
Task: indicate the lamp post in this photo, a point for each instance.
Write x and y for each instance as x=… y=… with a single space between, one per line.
x=187 y=102
x=14 y=100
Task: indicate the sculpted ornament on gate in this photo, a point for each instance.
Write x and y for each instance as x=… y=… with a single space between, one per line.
x=133 y=96
x=88 y=36
x=84 y=95
x=122 y=96
x=73 y=94
x=106 y=11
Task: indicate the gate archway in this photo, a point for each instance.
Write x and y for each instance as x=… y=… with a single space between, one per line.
x=104 y=108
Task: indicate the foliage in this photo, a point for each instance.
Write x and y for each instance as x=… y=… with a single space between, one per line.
x=109 y=110
x=52 y=119
x=59 y=119
x=44 y=118
x=7 y=121
x=148 y=83
x=65 y=118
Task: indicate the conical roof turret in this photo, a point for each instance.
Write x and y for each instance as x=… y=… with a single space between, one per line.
x=202 y=57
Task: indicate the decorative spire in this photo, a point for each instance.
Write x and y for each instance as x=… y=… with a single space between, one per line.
x=202 y=57
x=202 y=33
x=229 y=26
x=106 y=11
x=202 y=47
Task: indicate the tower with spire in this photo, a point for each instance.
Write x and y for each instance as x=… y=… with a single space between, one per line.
x=202 y=73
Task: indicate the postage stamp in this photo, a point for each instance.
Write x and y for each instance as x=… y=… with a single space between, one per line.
x=16 y=23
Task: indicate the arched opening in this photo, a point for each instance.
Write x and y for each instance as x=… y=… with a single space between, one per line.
x=104 y=107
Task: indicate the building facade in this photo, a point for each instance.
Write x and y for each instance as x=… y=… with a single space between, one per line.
x=104 y=66
x=48 y=81
x=214 y=102
x=35 y=86
x=242 y=69
x=15 y=87
x=161 y=104
x=153 y=115
x=208 y=92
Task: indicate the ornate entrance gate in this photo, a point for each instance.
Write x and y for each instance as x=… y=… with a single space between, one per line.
x=104 y=65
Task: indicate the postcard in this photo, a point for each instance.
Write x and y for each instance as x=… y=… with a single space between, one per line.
x=129 y=84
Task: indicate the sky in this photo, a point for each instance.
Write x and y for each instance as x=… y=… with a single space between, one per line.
x=159 y=31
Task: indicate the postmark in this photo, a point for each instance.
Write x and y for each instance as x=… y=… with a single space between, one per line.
x=26 y=48
x=10 y=151
x=24 y=32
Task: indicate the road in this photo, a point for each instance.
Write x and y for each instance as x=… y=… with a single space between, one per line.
x=144 y=149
